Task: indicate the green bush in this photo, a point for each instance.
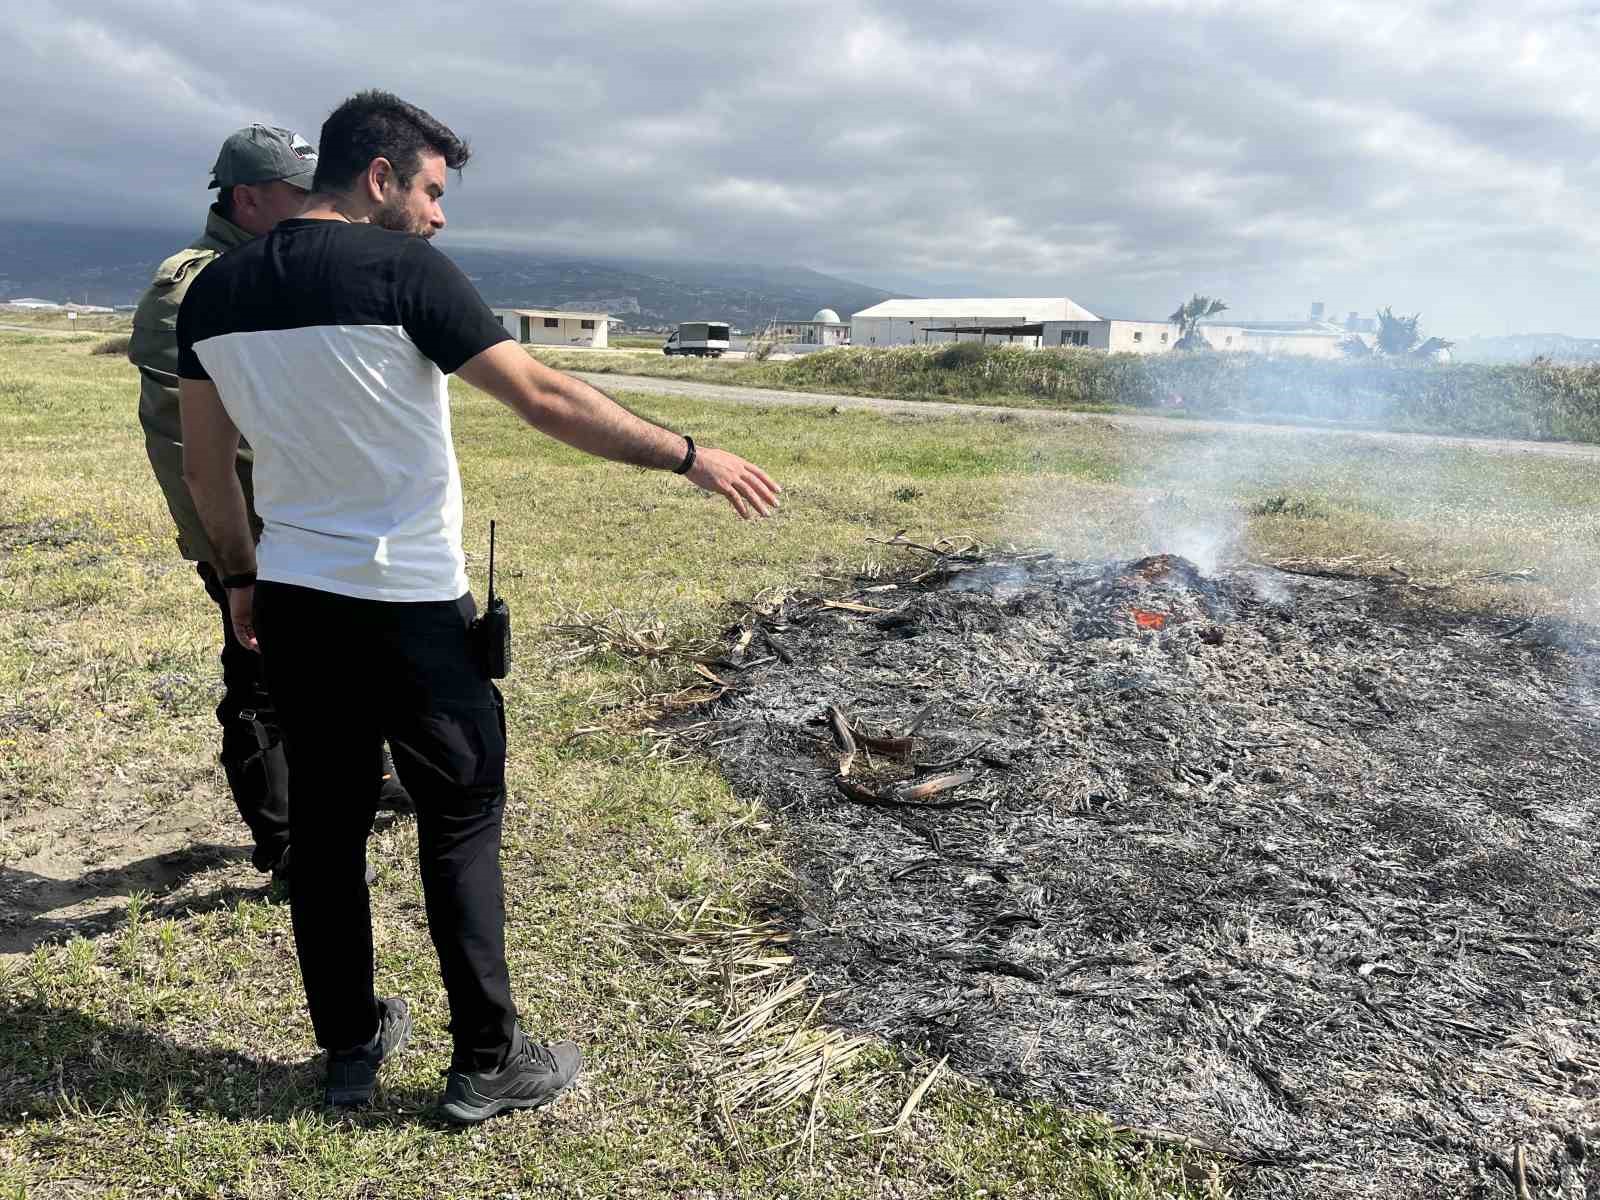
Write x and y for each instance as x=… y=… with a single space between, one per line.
x=958 y=355
x=113 y=345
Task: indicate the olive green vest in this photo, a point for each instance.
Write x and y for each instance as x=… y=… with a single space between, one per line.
x=154 y=350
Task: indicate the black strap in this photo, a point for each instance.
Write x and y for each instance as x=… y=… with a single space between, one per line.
x=242 y=580
x=687 y=464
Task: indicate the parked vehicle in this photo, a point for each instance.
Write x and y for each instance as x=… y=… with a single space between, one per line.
x=705 y=339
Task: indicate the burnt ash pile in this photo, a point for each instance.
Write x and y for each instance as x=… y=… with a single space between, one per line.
x=1273 y=861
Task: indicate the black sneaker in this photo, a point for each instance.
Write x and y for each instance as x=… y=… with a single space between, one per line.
x=392 y=794
x=282 y=868
x=534 y=1074
x=353 y=1074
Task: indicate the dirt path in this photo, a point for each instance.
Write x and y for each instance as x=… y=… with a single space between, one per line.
x=1131 y=422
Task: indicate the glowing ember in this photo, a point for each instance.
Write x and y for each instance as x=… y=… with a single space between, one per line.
x=1145 y=619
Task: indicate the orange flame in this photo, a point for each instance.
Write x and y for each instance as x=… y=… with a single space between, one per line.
x=1149 y=620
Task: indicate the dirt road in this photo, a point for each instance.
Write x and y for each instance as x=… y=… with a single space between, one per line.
x=1128 y=421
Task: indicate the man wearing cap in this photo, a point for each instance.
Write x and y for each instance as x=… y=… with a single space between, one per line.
x=262 y=176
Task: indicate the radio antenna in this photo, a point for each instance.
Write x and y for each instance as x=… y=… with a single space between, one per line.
x=491 y=563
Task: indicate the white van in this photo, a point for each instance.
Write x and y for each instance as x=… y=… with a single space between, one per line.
x=706 y=339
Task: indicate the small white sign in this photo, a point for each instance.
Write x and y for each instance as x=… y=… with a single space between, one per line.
x=72 y=316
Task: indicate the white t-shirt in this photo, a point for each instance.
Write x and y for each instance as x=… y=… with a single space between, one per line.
x=329 y=344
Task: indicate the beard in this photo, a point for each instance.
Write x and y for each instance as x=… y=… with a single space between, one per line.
x=392 y=214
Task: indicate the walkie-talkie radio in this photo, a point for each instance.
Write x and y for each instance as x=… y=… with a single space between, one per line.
x=490 y=633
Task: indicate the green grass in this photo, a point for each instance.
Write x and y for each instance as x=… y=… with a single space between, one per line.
x=173 y=1052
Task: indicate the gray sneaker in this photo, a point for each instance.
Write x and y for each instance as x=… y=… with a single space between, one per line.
x=534 y=1074
x=353 y=1074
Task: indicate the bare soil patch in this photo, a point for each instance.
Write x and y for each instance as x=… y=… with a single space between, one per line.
x=71 y=863
x=1296 y=866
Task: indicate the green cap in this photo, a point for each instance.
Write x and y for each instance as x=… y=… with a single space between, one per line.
x=262 y=154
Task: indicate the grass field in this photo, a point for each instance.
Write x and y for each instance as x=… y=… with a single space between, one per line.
x=169 y=1054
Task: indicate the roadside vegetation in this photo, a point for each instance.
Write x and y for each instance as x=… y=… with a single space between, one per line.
x=1539 y=401
x=166 y=1052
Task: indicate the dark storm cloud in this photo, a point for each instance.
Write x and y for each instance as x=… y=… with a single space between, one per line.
x=1438 y=158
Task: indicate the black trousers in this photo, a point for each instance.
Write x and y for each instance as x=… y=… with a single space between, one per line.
x=348 y=673
x=252 y=748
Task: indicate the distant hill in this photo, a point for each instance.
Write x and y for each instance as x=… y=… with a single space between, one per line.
x=1524 y=347
x=112 y=266
x=95 y=266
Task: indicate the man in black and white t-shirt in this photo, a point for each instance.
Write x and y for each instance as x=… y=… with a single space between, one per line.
x=327 y=344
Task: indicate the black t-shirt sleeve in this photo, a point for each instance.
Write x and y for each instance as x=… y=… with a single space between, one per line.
x=195 y=316
x=441 y=311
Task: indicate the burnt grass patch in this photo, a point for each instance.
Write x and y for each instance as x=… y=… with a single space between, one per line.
x=1291 y=865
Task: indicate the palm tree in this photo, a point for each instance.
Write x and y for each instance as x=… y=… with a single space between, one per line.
x=1401 y=337
x=1397 y=335
x=1188 y=317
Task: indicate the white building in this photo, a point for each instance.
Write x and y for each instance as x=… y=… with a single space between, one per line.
x=556 y=327
x=915 y=322
x=1113 y=335
x=1306 y=339
x=822 y=332
x=1055 y=322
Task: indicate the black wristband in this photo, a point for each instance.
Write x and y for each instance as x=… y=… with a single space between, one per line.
x=687 y=464
x=242 y=580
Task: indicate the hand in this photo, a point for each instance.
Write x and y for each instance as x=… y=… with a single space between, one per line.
x=242 y=611
x=748 y=488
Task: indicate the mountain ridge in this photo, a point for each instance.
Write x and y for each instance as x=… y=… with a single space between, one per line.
x=113 y=266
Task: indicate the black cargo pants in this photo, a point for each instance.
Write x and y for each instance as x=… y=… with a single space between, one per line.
x=346 y=674
x=252 y=749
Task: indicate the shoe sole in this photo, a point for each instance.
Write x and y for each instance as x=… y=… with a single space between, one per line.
x=462 y=1113
x=362 y=1097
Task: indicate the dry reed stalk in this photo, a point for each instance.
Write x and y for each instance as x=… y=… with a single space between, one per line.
x=767 y=1051
x=909 y=1108
x=808 y=1136
x=632 y=638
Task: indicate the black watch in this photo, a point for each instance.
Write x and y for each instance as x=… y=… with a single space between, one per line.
x=243 y=579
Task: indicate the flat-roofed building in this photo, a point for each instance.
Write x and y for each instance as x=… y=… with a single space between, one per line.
x=918 y=322
x=556 y=326
x=1114 y=335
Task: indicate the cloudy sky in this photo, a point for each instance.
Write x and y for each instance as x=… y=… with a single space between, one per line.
x=1434 y=157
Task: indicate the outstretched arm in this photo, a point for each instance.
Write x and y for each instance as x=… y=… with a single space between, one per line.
x=586 y=418
x=210 y=443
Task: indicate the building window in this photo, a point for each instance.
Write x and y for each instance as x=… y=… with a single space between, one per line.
x=1228 y=341
x=1138 y=335
x=526 y=327
x=585 y=324
x=1163 y=339
x=552 y=323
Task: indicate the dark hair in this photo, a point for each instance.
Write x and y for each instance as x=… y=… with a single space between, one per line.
x=375 y=124
x=225 y=202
